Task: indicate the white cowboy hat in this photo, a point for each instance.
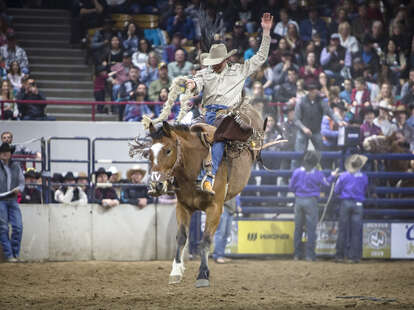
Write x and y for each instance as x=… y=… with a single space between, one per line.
x=384 y=104
x=218 y=53
x=355 y=162
x=136 y=168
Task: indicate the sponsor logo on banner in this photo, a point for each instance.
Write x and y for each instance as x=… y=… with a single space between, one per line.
x=402 y=240
x=265 y=237
x=326 y=234
x=376 y=240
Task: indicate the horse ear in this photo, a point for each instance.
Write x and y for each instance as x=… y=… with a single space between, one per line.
x=152 y=128
x=166 y=128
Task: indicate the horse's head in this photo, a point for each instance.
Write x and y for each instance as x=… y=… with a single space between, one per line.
x=164 y=155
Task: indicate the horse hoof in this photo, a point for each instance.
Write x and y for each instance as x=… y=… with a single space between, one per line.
x=175 y=279
x=202 y=283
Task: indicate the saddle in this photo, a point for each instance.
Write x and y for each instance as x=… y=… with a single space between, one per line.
x=206 y=132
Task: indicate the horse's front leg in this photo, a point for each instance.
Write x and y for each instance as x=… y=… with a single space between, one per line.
x=213 y=214
x=183 y=221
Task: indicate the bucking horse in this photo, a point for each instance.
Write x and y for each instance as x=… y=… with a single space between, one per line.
x=176 y=153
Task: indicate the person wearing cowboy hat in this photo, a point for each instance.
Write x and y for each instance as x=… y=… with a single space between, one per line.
x=402 y=126
x=104 y=194
x=222 y=86
x=31 y=193
x=11 y=185
x=136 y=195
x=307 y=182
x=69 y=193
x=383 y=119
x=351 y=188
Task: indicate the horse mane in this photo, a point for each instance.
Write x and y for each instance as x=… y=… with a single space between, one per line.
x=159 y=133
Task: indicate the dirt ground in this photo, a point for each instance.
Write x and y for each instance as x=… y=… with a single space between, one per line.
x=240 y=284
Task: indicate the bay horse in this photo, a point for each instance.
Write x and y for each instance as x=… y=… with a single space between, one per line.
x=177 y=152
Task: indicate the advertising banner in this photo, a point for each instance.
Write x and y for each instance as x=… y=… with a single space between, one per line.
x=376 y=240
x=265 y=237
x=402 y=240
x=326 y=234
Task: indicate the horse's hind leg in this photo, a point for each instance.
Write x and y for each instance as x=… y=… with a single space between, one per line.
x=212 y=220
x=183 y=221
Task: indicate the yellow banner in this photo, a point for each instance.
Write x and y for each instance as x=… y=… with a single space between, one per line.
x=265 y=237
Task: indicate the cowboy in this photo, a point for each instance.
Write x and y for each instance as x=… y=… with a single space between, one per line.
x=351 y=187
x=68 y=193
x=307 y=182
x=104 y=194
x=222 y=84
x=11 y=184
x=31 y=194
x=136 y=195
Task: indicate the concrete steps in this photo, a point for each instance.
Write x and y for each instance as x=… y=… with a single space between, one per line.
x=62 y=52
x=45 y=60
x=61 y=76
x=38 y=12
x=65 y=84
x=45 y=43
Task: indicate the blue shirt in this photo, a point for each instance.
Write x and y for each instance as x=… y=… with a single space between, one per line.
x=352 y=186
x=308 y=183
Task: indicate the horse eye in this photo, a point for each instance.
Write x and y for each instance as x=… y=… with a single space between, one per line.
x=168 y=152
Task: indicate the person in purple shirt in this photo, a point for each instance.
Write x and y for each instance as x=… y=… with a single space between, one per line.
x=306 y=182
x=351 y=188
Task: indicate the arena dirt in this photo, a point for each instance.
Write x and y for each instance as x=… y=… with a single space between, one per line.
x=240 y=284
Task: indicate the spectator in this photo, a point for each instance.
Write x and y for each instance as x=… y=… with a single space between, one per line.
x=308 y=118
x=122 y=69
x=385 y=94
x=181 y=23
x=275 y=56
x=114 y=53
x=30 y=193
x=115 y=178
x=169 y=50
x=70 y=194
x=135 y=111
x=408 y=99
x=378 y=36
x=311 y=25
x=140 y=57
x=347 y=92
x=32 y=111
x=310 y=71
x=180 y=66
x=347 y=41
x=335 y=58
x=361 y=24
x=280 y=71
x=360 y=98
x=129 y=37
x=324 y=84
x=224 y=228
x=10 y=110
x=293 y=40
x=163 y=81
x=104 y=194
x=408 y=84
x=395 y=60
x=3 y=70
x=136 y=195
x=119 y=6
x=15 y=76
x=329 y=129
x=383 y=119
x=281 y=28
x=351 y=187
x=56 y=182
x=100 y=41
x=150 y=71
x=369 y=57
x=287 y=91
x=340 y=17
x=11 y=184
x=83 y=179
x=12 y=52
x=402 y=125
x=399 y=35
x=86 y=14
x=368 y=128
x=128 y=88
x=253 y=47
x=240 y=42
x=4 y=29
x=307 y=183
x=20 y=149
x=101 y=75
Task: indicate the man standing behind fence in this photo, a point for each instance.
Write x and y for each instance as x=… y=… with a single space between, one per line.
x=307 y=183
x=351 y=188
x=11 y=183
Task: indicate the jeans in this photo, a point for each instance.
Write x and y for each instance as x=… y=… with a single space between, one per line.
x=10 y=213
x=222 y=234
x=306 y=213
x=301 y=144
x=349 y=242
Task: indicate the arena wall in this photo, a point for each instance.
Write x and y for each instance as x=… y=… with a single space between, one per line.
x=61 y=232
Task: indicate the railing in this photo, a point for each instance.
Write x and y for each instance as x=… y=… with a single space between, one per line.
x=91 y=103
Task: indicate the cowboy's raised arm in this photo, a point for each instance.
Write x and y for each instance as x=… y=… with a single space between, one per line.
x=254 y=63
x=196 y=84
